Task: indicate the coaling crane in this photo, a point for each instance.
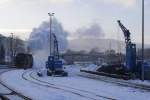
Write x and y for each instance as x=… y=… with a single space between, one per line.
x=130 y=49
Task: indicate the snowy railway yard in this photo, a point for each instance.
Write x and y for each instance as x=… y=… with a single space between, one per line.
x=74 y=87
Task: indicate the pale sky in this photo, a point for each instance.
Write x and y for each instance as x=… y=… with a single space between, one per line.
x=21 y=16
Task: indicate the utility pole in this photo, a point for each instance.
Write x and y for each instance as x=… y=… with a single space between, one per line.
x=11 y=48
x=51 y=15
x=142 y=71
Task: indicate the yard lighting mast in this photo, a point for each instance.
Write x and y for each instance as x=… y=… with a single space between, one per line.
x=142 y=73
x=51 y=15
x=12 y=47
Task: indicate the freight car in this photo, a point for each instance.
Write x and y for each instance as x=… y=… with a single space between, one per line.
x=23 y=60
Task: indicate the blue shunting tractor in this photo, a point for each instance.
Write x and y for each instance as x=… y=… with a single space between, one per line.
x=54 y=65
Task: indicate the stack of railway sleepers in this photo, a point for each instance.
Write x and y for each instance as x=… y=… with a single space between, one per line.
x=114 y=71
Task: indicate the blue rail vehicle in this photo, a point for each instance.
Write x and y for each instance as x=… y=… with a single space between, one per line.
x=54 y=65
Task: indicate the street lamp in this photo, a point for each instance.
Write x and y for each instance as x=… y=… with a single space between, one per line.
x=142 y=76
x=51 y=15
x=11 y=47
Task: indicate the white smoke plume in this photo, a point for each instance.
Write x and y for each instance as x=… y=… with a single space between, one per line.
x=93 y=31
x=39 y=42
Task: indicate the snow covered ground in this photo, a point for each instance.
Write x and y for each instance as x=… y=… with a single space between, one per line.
x=146 y=82
x=91 y=67
x=73 y=87
x=4 y=90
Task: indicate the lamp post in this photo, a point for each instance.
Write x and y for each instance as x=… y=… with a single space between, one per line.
x=142 y=71
x=11 y=48
x=51 y=15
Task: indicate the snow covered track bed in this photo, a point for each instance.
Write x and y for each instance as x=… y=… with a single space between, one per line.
x=81 y=93
x=72 y=87
x=7 y=67
x=115 y=81
x=6 y=93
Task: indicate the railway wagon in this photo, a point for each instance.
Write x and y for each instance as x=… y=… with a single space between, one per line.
x=23 y=60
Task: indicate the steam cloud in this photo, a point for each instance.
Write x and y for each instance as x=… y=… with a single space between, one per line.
x=94 y=31
x=39 y=38
x=39 y=42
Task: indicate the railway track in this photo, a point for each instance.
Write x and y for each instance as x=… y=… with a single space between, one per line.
x=75 y=91
x=3 y=96
x=7 y=67
x=115 y=81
